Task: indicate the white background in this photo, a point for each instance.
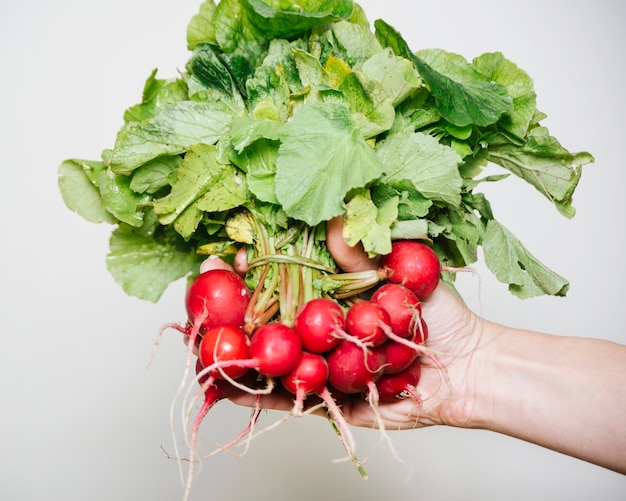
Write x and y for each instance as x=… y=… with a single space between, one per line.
x=82 y=417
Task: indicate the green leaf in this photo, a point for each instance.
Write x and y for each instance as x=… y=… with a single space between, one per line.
x=206 y=67
x=411 y=203
x=157 y=94
x=78 y=183
x=517 y=84
x=280 y=19
x=240 y=40
x=431 y=167
x=322 y=156
x=154 y=175
x=174 y=130
x=228 y=191
x=370 y=104
x=461 y=133
x=120 y=200
x=311 y=72
x=461 y=148
x=413 y=229
x=200 y=174
x=210 y=81
x=271 y=87
x=464 y=96
x=200 y=29
x=419 y=110
x=244 y=131
x=464 y=230
x=254 y=149
x=479 y=203
x=365 y=222
x=352 y=43
x=358 y=16
x=187 y=222
x=512 y=264
x=396 y=74
x=143 y=266
x=545 y=164
x=259 y=162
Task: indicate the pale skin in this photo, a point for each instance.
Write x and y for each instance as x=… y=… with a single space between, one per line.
x=567 y=394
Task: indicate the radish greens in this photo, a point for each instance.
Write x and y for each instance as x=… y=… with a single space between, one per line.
x=297 y=115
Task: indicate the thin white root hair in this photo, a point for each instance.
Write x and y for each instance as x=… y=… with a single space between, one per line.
x=186 y=416
x=373 y=401
x=188 y=406
x=253 y=391
x=193 y=333
x=157 y=341
x=245 y=432
x=462 y=269
x=341 y=334
x=280 y=421
x=341 y=428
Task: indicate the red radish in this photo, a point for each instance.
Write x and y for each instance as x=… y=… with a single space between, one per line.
x=275 y=348
x=318 y=324
x=413 y=264
x=224 y=343
x=397 y=356
x=365 y=321
x=307 y=378
x=392 y=387
x=352 y=369
x=403 y=307
x=217 y=297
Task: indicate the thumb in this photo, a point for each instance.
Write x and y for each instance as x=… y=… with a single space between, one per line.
x=349 y=258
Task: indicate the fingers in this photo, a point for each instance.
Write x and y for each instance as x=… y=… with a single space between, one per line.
x=241 y=261
x=279 y=400
x=348 y=258
x=275 y=400
x=214 y=263
x=356 y=409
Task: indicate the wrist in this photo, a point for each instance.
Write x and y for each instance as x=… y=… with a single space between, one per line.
x=487 y=371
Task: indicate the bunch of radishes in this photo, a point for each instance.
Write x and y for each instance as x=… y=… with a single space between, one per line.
x=370 y=346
